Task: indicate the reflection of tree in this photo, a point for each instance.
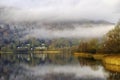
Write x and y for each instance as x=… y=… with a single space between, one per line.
x=89 y=62
x=114 y=76
x=60 y=58
x=114 y=71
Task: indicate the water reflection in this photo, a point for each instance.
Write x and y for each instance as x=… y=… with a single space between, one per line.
x=112 y=72
x=113 y=68
x=53 y=67
x=89 y=62
x=37 y=59
x=114 y=76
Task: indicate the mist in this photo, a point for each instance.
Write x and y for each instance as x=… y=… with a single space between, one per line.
x=96 y=31
x=52 y=11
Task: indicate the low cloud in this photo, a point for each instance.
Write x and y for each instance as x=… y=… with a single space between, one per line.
x=78 y=32
x=59 y=10
x=38 y=11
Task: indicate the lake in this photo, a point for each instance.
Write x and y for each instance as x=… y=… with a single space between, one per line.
x=53 y=67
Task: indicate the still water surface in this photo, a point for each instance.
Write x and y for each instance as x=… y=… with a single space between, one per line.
x=55 y=67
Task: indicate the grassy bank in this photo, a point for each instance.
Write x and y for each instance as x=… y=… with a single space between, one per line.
x=83 y=55
x=97 y=56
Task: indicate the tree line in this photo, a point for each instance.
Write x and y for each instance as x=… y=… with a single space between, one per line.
x=110 y=43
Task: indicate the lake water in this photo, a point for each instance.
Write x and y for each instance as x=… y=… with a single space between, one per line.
x=53 y=67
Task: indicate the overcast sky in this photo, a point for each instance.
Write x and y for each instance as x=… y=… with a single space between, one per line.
x=59 y=10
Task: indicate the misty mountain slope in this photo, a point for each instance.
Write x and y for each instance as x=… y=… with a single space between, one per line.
x=61 y=25
x=44 y=26
x=70 y=25
x=66 y=29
